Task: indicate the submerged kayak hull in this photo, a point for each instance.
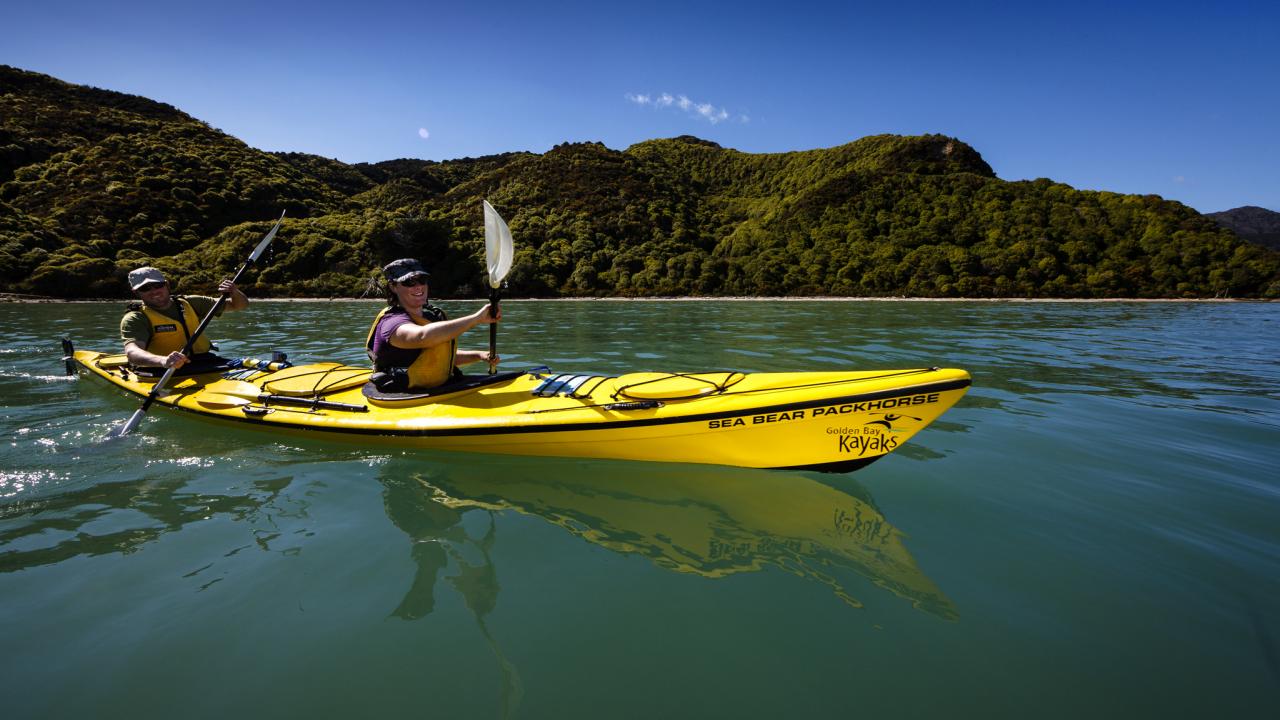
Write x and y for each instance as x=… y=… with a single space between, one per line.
x=835 y=421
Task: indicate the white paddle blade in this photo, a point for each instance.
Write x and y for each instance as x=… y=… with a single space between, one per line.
x=257 y=251
x=131 y=424
x=498 y=246
x=136 y=418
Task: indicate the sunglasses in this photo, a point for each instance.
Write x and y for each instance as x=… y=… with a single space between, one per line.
x=151 y=287
x=413 y=282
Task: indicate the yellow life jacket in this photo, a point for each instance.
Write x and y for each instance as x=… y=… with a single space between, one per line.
x=433 y=365
x=168 y=335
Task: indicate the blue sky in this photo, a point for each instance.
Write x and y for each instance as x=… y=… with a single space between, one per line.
x=1174 y=99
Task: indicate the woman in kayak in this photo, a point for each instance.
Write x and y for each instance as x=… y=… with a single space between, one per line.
x=412 y=344
x=155 y=330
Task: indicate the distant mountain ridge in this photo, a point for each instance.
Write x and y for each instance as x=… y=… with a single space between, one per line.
x=94 y=182
x=1252 y=223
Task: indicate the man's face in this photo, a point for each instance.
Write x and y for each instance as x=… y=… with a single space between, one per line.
x=154 y=294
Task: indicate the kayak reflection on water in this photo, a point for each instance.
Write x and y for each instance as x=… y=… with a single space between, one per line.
x=707 y=520
x=702 y=519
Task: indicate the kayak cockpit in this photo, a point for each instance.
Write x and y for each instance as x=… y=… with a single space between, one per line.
x=460 y=383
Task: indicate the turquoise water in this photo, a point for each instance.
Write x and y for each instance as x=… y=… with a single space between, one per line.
x=1093 y=531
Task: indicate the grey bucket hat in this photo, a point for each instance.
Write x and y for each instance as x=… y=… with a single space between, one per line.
x=144 y=275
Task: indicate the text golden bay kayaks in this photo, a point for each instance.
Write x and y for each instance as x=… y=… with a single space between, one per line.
x=833 y=421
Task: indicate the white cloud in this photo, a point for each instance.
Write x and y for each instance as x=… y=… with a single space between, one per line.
x=422 y=133
x=711 y=113
x=1179 y=179
x=704 y=110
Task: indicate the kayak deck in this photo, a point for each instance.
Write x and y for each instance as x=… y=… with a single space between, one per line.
x=816 y=420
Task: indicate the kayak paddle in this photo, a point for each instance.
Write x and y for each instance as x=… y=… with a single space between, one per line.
x=129 y=426
x=219 y=400
x=498 y=251
x=230 y=393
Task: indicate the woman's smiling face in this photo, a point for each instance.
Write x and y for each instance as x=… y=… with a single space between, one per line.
x=411 y=292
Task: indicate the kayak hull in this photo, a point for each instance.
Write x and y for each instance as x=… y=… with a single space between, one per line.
x=835 y=421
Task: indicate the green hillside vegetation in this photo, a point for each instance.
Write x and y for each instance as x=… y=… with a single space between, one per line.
x=1252 y=223
x=93 y=183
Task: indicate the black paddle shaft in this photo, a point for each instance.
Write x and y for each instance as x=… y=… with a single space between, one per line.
x=493 y=330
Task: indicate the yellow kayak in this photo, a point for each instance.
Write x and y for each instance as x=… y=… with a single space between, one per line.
x=831 y=421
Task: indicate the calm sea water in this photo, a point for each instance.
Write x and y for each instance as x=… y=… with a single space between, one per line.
x=1094 y=531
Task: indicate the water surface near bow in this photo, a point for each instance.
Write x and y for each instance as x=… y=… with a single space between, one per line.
x=1092 y=531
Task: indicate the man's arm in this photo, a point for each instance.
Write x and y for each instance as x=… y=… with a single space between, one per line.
x=238 y=300
x=139 y=356
x=135 y=331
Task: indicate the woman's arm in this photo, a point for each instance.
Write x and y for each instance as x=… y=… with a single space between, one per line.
x=466 y=357
x=410 y=335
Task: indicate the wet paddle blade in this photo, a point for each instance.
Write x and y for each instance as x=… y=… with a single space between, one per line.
x=133 y=422
x=129 y=426
x=262 y=246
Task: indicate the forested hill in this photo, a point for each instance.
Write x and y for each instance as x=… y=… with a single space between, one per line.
x=93 y=183
x=1252 y=223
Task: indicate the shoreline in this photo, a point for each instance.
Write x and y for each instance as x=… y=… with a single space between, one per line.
x=21 y=299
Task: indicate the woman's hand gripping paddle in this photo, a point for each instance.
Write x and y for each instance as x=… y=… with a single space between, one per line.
x=498 y=251
x=129 y=426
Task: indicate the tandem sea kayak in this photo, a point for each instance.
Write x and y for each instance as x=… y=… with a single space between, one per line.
x=827 y=421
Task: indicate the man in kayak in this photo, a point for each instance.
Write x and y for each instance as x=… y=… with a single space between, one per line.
x=412 y=344
x=155 y=330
